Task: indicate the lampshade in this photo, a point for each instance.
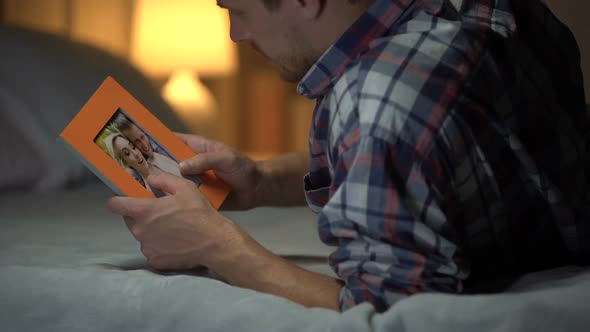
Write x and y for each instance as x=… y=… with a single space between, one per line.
x=171 y=35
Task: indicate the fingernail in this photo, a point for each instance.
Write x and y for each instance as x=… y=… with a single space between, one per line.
x=183 y=165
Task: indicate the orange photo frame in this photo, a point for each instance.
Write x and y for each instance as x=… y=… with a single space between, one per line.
x=109 y=99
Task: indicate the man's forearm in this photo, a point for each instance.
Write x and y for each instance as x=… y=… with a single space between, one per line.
x=254 y=267
x=282 y=183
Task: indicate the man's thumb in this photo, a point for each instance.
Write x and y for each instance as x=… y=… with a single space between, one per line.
x=166 y=182
x=201 y=163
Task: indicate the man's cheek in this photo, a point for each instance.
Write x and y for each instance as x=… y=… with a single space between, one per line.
x=142 y=146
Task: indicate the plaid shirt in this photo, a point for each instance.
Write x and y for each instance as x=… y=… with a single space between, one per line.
x=448 y=146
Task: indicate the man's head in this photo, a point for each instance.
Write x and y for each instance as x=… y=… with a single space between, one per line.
x=291 y=34
x=134 y=134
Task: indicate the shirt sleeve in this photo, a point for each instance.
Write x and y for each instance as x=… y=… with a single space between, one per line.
x=385 y=218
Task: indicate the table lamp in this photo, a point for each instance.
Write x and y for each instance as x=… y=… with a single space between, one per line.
x=183 y=40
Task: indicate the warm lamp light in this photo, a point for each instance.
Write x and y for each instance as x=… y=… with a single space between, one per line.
x=188 y=92
x=185 y=39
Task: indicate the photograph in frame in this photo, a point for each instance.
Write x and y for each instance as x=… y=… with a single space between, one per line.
x=123 y=143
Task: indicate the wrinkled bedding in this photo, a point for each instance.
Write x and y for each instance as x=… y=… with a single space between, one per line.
x=67 y=264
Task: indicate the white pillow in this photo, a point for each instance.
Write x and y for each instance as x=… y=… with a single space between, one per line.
x=27 y=158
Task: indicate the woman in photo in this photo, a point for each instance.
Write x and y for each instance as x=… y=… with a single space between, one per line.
x=128 y=156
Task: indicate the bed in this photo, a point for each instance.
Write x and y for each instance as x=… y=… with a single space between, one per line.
x=68 y=264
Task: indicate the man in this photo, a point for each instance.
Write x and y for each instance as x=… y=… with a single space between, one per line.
x=449 y=150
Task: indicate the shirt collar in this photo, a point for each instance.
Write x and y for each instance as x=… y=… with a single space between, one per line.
x=381 y=16
x=384 y=16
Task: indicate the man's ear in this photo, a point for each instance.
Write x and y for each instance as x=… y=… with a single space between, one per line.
x=310 y=9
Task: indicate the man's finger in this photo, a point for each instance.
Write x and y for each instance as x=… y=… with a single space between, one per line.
x=203 y=162
x=135 y=208
x=134 y=228
x=168 y=183
x=197 y=143
x=129 y=222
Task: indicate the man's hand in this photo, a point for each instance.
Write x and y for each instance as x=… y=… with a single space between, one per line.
x=178 y=231
x=275 y=182
x=237 y=170
x=182 y=230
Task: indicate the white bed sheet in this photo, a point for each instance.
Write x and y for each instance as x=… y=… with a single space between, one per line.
x=67 y=264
